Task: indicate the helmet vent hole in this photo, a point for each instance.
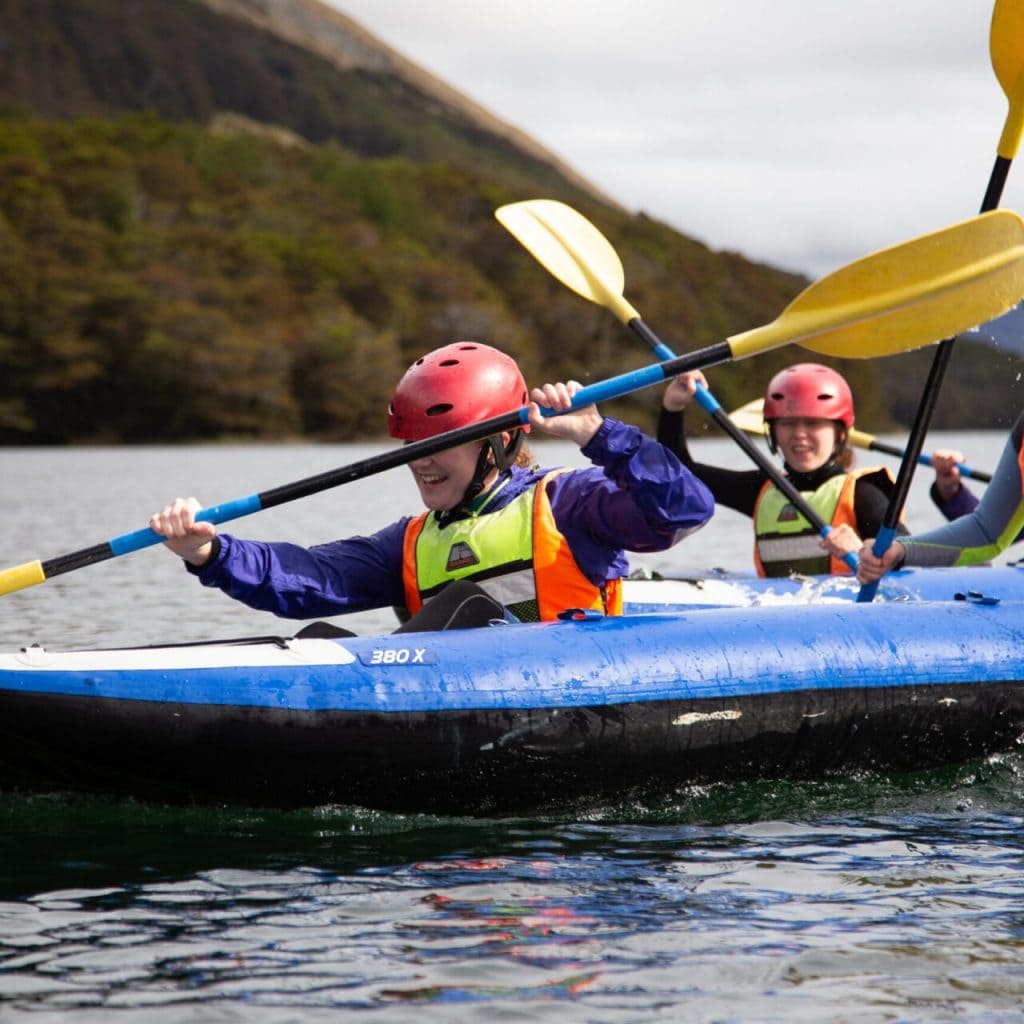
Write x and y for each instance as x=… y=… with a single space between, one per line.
x=440 y=409
x=449 y=362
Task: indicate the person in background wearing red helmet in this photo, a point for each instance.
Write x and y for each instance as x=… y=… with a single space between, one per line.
x=499 y=539
x=809 y=410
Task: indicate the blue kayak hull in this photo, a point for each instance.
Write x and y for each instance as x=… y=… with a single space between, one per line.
x=519 y=719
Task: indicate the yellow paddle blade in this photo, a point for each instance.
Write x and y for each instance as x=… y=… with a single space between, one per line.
x=907 y=296
x=570 y=248
x=859 y=439
x=750 y=418
x=1006 y=43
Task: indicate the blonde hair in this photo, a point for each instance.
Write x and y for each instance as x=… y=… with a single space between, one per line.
x=524 y=457
x=845 y=456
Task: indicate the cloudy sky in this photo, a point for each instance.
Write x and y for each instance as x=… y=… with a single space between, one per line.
x=803 y=133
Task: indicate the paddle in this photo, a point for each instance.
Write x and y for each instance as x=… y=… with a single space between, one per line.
x=572 y=249
x=750 y=418
x=1006 y=45
x=892 y=301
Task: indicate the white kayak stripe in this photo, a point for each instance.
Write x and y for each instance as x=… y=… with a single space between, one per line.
x=268 y=655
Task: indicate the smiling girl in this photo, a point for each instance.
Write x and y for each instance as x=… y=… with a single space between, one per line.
x=504 y=537
x=809 y=411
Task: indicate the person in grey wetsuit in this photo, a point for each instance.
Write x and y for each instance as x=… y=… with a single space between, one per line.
x=971 y=539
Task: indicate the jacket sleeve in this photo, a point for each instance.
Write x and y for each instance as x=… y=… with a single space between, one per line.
x=294 y=582
x=637 y=496
x=960 y=504
x=992 y=527
x=735 y=488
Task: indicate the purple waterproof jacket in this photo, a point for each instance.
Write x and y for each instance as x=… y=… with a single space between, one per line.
x=636 y=496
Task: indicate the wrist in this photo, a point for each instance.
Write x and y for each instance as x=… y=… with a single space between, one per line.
x=588 y=431
x=899 y=555
x=203 y=556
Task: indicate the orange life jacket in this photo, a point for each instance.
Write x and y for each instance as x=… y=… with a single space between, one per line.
x=516 y=553
x=793 y=545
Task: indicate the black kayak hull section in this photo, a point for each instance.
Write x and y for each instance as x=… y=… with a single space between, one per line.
x=488 y=761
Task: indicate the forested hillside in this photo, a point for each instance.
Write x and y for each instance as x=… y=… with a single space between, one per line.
x=169 y=281
x=207 y=231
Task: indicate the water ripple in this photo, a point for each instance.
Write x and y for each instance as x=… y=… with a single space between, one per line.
x=872 y=918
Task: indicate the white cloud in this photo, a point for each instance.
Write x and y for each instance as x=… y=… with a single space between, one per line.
x=798 y=132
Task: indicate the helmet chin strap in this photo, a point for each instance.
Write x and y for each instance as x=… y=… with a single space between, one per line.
x=493 y=454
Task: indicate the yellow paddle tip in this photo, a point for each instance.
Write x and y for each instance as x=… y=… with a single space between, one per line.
x=21 y=576
x=1006 y=43
x=571 y=249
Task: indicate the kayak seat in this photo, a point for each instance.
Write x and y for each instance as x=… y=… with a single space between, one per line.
x=322 y=631
x=460 y=605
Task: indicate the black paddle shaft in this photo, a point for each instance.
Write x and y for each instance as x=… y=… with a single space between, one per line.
x=614 y=387
x=721 y=417
x=933 y=385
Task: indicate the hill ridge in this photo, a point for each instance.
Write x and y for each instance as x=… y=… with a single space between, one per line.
x=345 y=43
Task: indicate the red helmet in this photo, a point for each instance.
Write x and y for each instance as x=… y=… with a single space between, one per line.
x=811 y=390
x=452 y=387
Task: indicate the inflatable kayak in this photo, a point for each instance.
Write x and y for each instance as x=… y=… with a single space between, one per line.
x=534 y=717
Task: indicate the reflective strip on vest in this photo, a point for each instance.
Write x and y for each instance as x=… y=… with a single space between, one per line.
x=516 y=554
x=510 y=588
x=789 y=549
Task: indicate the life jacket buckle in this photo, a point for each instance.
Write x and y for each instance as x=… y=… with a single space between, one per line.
x=581 y=615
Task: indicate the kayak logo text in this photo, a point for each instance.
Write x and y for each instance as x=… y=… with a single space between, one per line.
x=398 y=656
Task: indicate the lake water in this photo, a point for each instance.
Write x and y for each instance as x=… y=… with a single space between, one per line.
x=865 y=899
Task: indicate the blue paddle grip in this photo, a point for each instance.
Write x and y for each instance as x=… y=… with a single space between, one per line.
x=881 y=545
x=965 y=470
x=883 y=541
x=705 y=399
x=146 y=538
x=604 y=391
x=850 y=558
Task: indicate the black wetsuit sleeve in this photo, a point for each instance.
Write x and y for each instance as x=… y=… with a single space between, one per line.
x=736 y=489
x=870 y=504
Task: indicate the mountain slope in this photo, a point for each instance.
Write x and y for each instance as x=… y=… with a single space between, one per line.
x=347 y=45
x=245 y=217
x=192 y=59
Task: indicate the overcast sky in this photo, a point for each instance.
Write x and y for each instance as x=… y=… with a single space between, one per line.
x=803 y=133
